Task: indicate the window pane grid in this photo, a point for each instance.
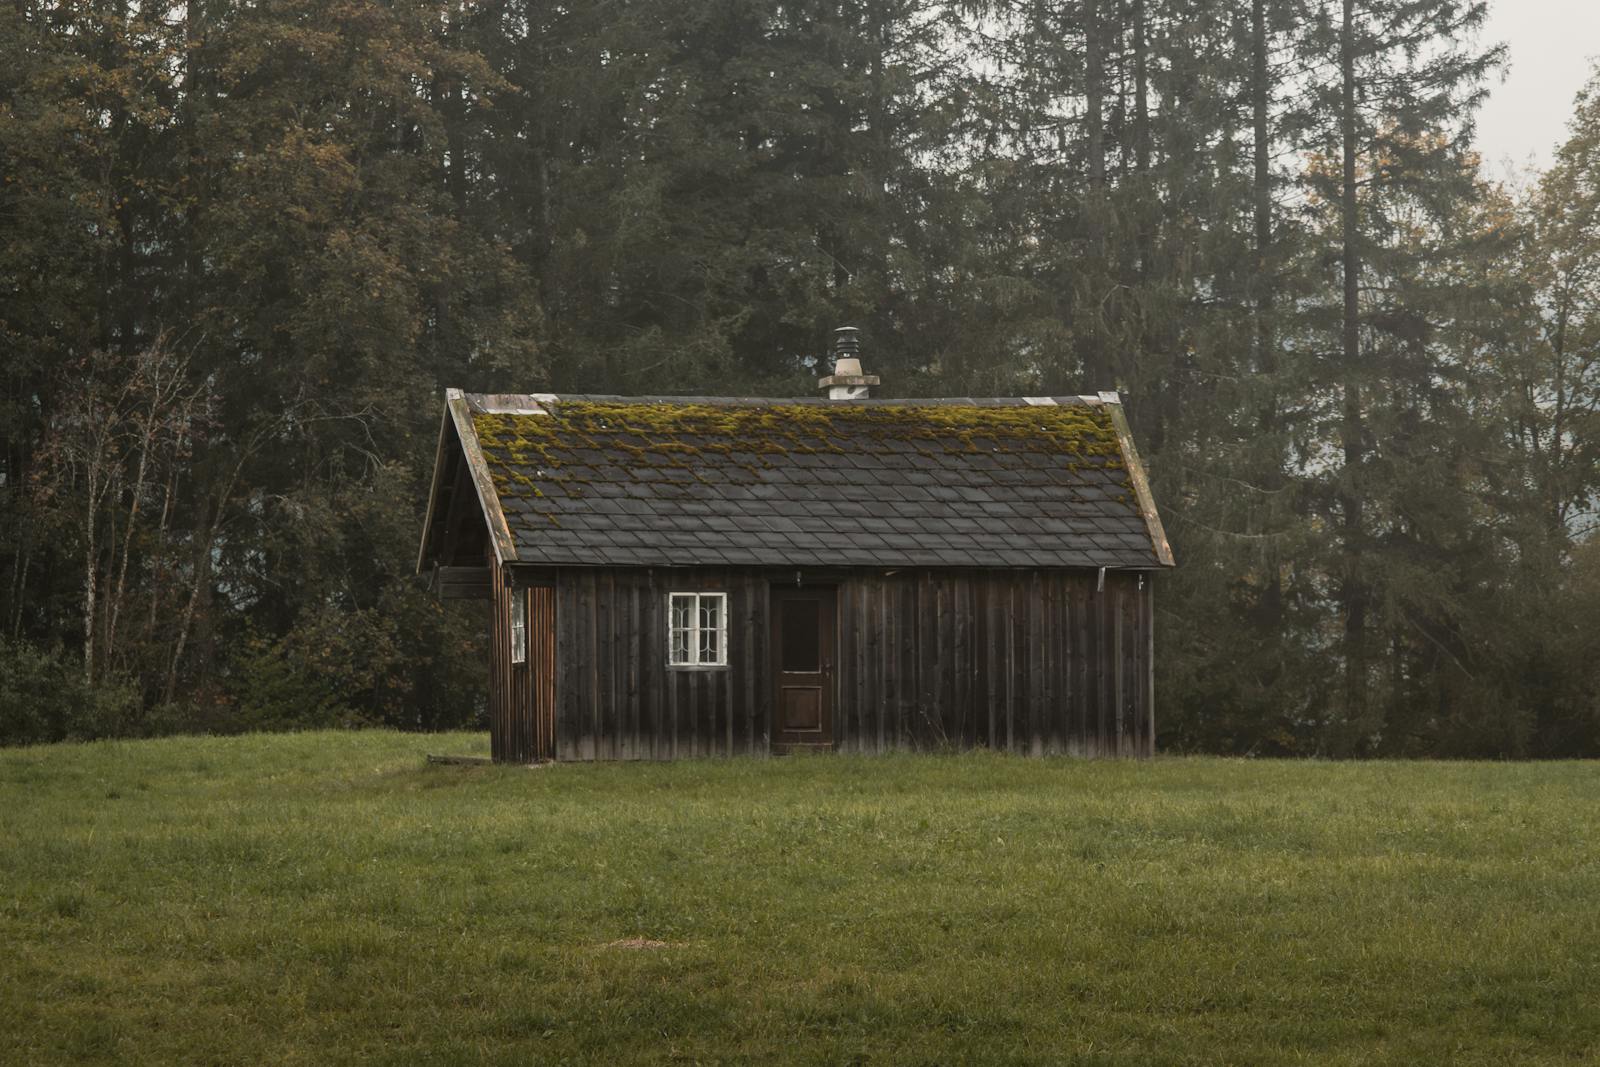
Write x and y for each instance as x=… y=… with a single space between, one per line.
x=519 y=626
x=697 y=629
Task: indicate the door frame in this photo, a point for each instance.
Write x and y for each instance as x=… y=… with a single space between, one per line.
x=827 y=597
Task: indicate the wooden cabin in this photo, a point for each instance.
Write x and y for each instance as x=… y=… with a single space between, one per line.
x=669 y=577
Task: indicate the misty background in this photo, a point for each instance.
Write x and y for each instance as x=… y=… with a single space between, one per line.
x=245 y=244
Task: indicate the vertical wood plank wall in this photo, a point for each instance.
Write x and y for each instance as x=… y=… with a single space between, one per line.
x=617 y=698
x=1033 y=662
x=521 y=695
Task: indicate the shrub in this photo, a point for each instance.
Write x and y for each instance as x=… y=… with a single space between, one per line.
x=44 y=697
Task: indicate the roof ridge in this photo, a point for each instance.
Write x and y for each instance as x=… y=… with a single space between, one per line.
x=533 y=403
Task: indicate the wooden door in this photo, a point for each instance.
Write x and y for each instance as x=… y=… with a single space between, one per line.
x=802 y=666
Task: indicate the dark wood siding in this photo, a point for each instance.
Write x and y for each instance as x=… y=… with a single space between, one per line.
x=616 y=695
x=521 y=695
x=1033 y=662
x=462 y=583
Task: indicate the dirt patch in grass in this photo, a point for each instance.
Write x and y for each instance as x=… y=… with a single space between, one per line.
x=642 y=942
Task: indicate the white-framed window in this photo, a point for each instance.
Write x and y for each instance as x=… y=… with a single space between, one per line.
x=697 y=629
x=519 y=626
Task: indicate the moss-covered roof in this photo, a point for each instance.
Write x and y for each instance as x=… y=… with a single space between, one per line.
x=670 y=481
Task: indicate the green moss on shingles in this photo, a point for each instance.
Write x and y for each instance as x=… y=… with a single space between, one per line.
x=515 y=444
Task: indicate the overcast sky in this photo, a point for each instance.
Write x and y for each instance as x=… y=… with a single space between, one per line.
x=1553 y=44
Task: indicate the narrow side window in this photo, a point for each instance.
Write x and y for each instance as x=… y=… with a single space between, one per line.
x=519 y=626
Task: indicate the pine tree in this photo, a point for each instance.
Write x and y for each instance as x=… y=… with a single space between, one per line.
x=1399 y=104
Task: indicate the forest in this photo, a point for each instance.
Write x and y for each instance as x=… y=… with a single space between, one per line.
x=245 y=244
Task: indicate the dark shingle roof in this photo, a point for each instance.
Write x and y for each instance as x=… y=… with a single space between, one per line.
x=635 y=481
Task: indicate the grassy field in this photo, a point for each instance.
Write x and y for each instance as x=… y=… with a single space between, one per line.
x=329 y=898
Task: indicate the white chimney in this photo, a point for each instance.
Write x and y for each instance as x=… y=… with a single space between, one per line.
x=847 y=382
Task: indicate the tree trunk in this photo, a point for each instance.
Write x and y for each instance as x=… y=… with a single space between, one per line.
x=202 y=574
x=19 y=585
x=1260 y=107
x=878 y=170
x=1353 y=591
x=90 y=562
x=147 y=441
x=23 y=555
x=1094 y=93
x=1095 y=357
x=159 y=555
x=1271 y=606
x=202 y=567
x=1141 y=90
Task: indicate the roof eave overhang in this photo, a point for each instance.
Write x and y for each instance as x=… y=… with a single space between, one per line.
x=1140 y=480
x=784 y=568
x=433 y=492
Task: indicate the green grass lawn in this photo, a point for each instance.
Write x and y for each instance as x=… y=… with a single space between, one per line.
x=329 y=898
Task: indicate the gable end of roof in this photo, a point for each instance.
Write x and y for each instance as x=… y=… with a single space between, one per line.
x=457 y=421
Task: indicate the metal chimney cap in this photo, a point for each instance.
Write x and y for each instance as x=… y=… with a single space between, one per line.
x=847 y=382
